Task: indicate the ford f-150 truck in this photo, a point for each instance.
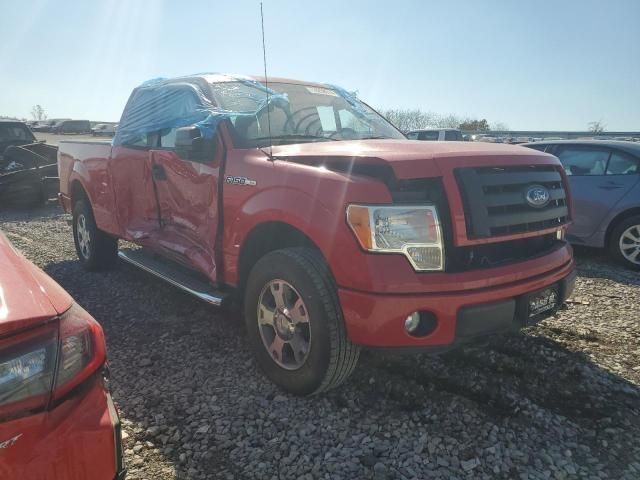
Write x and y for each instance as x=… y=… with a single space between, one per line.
x=335 y=230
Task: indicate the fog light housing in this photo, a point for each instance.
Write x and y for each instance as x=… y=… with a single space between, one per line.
x=421 y=324
x=412 y=322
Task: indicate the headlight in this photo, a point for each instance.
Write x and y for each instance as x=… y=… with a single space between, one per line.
x=410 y=230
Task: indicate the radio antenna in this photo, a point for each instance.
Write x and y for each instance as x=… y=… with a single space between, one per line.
x=266 y=82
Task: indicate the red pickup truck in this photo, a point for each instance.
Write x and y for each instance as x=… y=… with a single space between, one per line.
x=335 y=230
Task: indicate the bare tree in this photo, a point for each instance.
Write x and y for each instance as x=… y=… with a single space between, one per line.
x=416 y=119
x=448 y=121
x=38 y=113
x=499 y=127
x=596 y=127
x=409 y=119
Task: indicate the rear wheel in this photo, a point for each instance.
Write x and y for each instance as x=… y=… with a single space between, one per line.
x=294 y=322
x=96 y=249
x=624 y=244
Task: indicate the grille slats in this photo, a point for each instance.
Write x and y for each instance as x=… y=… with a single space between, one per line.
x=517 y=177
x=495 y=199
x=505 y=220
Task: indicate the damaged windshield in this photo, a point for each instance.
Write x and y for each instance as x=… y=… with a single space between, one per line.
x=298 y=113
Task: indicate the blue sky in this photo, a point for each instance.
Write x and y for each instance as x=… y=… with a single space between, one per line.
x=532 y=65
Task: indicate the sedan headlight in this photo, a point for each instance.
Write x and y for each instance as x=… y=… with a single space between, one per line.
x=413 y=231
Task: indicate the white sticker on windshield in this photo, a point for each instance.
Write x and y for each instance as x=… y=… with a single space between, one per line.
x=321 y=91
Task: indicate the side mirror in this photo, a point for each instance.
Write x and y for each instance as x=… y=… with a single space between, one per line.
x=191 y=145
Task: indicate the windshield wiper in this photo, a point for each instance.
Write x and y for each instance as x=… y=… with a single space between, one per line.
x=373 y=137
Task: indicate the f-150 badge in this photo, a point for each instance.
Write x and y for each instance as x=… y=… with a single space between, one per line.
x=240 y=181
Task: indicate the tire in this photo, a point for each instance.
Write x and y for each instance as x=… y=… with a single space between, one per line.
x=330 y=357
x=627 y=234
x=97 y=250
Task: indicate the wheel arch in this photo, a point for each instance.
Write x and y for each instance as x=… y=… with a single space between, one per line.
x=78 y=192
x=620 y=217
x=267 y=237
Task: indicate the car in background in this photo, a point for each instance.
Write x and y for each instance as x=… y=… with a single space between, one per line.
x=604 y=176
x=57 y=418
x=47 y=125
x=72 y=126
x=440 y=135
x=104 y=129
x=12 y=133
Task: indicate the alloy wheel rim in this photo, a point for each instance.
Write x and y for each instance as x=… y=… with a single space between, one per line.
x=630 y=244
x=283 y=322
x=84 y=237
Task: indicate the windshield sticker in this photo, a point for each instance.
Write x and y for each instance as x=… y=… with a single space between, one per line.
x=322 y=91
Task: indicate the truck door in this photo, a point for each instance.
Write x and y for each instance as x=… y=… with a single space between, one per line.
x=187 y=195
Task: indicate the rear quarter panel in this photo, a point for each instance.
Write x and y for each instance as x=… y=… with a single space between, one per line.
x=87 y=163
x=629 y=204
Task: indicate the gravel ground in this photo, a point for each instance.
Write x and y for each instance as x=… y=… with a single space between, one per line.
x=560 y=400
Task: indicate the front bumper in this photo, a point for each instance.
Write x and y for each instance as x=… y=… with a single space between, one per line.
x=78 y=439
x=377 y=320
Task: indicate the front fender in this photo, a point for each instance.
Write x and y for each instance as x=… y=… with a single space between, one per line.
x=325 y=226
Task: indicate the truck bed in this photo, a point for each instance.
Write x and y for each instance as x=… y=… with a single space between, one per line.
x=89 y=152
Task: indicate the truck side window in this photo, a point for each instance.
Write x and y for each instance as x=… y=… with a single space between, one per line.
x=168 y=138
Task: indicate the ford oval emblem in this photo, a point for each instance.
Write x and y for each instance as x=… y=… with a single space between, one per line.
x=537 y=196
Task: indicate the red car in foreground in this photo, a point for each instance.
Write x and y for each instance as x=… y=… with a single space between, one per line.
x=57 y=419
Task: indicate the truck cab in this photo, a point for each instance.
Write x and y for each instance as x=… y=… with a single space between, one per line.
x=333 y=230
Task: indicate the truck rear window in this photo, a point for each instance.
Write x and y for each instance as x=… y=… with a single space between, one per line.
x=15 y=132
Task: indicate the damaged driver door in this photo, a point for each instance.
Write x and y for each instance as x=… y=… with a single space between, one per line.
x=185 y=170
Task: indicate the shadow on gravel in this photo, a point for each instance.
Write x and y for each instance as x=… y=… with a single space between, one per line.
x=525 y=380
x=183 y=375
x=594 y=263
x=16 y=214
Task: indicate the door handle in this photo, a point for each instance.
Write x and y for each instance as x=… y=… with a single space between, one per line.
x=611 y=186
x=158 y=172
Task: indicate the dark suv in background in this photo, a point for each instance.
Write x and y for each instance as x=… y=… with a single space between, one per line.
x=14 y=133
x=72 y=126
x=604 y=177
x=436 y=135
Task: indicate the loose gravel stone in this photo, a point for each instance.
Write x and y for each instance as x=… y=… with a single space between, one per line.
x=559 y=400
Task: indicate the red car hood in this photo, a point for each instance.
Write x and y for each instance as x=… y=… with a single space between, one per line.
x=28 y=296
x=412 y=158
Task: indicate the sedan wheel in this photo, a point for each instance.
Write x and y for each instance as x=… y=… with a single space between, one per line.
x=629 y=244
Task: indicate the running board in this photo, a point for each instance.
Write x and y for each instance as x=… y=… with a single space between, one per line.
x=174 y=274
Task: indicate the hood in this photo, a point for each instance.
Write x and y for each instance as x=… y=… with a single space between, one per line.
x=409 y=158
x=28 y=296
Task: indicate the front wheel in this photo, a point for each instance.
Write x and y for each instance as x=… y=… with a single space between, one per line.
x=624 y=243
x=295 y=324
x=96 y=249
